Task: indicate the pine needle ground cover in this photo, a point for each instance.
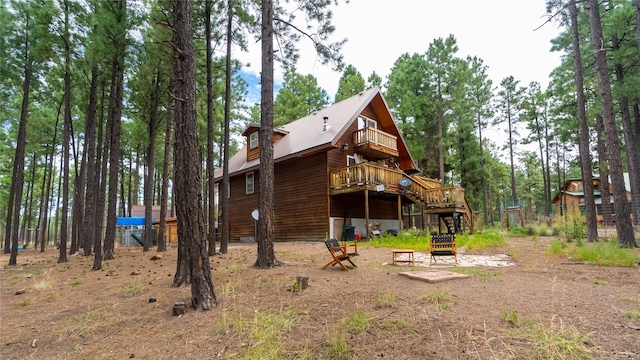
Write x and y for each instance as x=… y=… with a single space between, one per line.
x=549 y=305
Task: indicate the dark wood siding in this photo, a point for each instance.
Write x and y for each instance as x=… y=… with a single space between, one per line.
x=241 y=224
x=301 y=192
x=300 y=208
x=337 y=158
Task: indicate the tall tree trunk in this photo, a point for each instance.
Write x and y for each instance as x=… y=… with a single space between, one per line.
x=43 y=214
x=102 y=153
x=115 y=116
x=605 y=194
x=148 y=184
x=188 y=167
x=559 y=182
x=162 y=236
x=635 y=196
x=56 y=225
x=484 y=188
x=224 y=189
x=77 y=220
x=632 y=144
x=545 y=180
x=93 y=176
x=130 y=182
x=66 y=135
x=583 y=129
x=266 y=235
x=123 y=194
x=211 y=235
x=29 y=207
x=548 y=168
x=9 y=218
x=441 y=137
x=136 y=177
x=514 y=196
x=13 y=216
x=624 y=227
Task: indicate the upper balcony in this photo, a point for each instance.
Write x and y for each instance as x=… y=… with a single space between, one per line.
x=375 y=144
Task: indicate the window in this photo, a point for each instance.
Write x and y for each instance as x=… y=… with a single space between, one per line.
x=249 y=183
x=351 y=160
x=364 y=122
x=253 y=140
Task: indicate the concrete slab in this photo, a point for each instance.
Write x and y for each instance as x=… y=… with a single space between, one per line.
x=433 y=276
x=464 y=260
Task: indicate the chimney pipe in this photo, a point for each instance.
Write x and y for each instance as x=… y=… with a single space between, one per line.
x=325 y=126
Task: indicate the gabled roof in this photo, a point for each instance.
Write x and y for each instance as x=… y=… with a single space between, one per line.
x=306 y=135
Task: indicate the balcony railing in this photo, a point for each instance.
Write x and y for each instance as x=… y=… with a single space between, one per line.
x=374 y=137
x=364 y=174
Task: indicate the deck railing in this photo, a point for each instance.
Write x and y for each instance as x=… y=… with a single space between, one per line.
x=369 y=174
x=374 y=136
x=364 y=173
x=438 y=197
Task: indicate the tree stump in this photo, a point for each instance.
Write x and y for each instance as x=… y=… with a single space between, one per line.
x=179 y=308
x=301 y=283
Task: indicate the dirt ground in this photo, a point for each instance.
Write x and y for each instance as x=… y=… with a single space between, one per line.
x=544 y=306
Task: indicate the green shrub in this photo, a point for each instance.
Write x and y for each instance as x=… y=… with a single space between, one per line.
x=575 y=228
x=603 y=253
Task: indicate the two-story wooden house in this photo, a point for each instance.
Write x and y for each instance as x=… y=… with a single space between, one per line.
x=570 y=199
x=346 y=164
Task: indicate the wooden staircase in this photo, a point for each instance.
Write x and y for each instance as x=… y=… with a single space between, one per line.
x=448 y=202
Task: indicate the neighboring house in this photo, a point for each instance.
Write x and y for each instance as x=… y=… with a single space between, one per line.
x=570 y=199
x=345 y=165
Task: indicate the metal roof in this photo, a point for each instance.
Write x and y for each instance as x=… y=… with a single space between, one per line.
x=308 y=134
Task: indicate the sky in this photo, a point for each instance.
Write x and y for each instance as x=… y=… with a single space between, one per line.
x=378 y=32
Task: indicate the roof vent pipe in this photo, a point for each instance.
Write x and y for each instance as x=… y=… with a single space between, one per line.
x=325 y=126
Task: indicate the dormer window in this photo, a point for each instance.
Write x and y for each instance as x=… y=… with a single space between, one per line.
x=253 y=140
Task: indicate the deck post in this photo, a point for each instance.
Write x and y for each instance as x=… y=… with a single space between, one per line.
x=366 y=212
x=400 y=213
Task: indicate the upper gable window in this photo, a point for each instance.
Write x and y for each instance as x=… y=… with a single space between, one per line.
x=253 y=140
x=365 y=122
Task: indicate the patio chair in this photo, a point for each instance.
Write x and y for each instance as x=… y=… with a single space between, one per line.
x=443 y=245
x=339 y=254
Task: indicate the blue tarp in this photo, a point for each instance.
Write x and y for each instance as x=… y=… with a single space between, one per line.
x=130 y=221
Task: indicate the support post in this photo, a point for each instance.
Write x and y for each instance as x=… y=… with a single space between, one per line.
x=366 y=213
x=400 y=213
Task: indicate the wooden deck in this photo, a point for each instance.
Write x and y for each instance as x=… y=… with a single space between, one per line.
x=420 y=190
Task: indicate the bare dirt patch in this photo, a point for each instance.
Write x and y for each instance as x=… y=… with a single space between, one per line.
x=541 y=307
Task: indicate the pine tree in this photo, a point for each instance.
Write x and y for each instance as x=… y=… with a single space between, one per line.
x=623 y=221
x=509 y=106
x=299 y=96
x=191 y=222
x=351 y=82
